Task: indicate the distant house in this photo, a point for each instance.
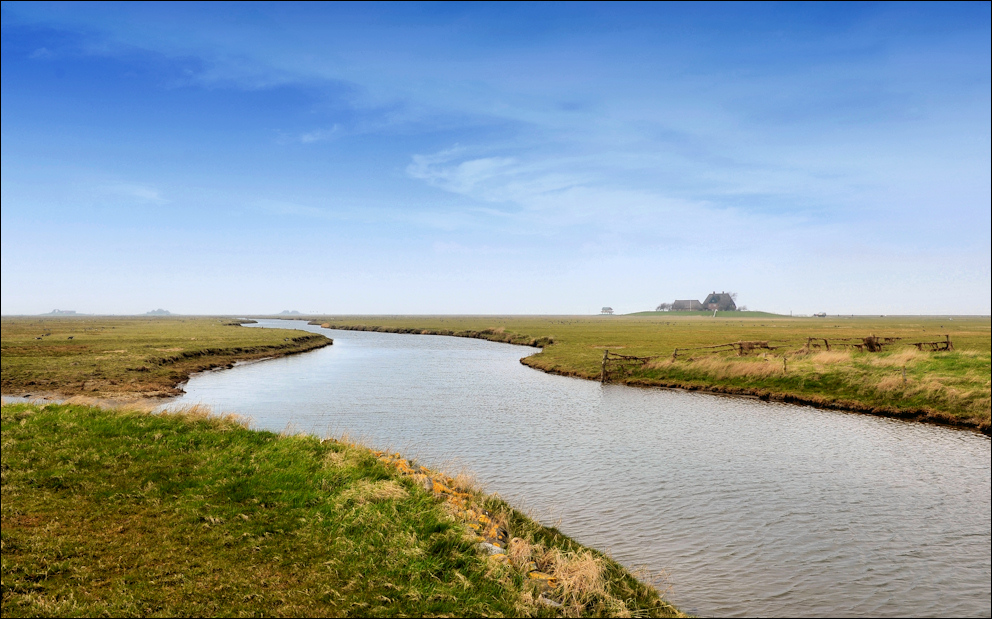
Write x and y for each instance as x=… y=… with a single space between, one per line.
x=682 y=305
x=606 y=310
x=721 y=301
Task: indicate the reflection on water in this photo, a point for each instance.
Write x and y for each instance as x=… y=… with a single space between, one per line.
x=751 y=508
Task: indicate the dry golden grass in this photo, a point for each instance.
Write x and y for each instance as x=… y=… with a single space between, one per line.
x=557 y=573
x=520 y=552
x=202 y=412
x=934 y=389
x=466 y=481
x=890 y=384
x=580 y=575
x=334 y=459
x=903 y=357
x=830 y=357
x=363 y=492
x=735 y=367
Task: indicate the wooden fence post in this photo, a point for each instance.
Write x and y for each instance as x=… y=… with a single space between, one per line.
x=602 y=376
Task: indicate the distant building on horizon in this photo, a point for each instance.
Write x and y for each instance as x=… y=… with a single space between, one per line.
x=720 y=301
x=606 y=310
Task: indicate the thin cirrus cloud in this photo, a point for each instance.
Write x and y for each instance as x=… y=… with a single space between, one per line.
x=135 y=193
x=319 y=135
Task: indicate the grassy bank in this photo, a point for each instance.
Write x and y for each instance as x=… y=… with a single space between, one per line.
x=950 y=387
x=108 y=512
x=129 y=356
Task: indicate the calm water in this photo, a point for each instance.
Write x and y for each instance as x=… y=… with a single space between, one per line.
x=750 y=508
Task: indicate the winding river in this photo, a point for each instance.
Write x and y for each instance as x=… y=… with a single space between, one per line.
x=741 y=507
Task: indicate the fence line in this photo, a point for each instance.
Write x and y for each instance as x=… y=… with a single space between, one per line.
x=615 y=364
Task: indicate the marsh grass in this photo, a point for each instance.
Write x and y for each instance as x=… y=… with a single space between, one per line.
x=119 y=512
x=129 y=357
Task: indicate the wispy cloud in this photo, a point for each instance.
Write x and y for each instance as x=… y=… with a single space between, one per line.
x=319 y=135
x=467 y=177
x=42 y=53
x=544 y=198
x=134 y=192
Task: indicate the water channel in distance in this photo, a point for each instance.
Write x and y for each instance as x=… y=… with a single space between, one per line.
x=749 y=507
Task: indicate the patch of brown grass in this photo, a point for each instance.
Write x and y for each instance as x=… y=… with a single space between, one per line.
x=364 y=491
x=466 y=481
x=830 y=357
x=889 y=384
x=138 y=404
x=202 y=412
x=579 y=574
x=736 y=368
x=334 y=459
x=520 y=552
x=904 y=357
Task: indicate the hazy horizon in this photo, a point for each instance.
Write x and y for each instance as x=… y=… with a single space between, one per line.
x=303 y=315
x=535 y=159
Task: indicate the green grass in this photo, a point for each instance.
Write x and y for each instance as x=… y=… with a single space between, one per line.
x=129 y=356
x=108 y=512
x=946 y=387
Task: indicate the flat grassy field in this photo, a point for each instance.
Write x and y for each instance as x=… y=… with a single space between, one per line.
x=129 y=356
x=946 y=387
x=113 y=513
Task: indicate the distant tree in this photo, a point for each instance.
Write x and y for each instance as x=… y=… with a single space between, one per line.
x=742 y=308
x=664 y=307
x=733 y=295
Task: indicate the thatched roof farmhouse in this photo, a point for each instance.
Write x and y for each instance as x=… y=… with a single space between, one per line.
x=720 y=301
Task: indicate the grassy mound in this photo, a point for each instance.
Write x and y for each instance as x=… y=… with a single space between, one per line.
x=130 y=513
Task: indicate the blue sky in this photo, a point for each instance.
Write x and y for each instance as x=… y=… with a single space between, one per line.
x=484 y=158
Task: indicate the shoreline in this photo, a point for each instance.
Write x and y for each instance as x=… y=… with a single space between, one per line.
x=195 y=361
x=927 y=416
x=918 y=415
x=420 y=541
